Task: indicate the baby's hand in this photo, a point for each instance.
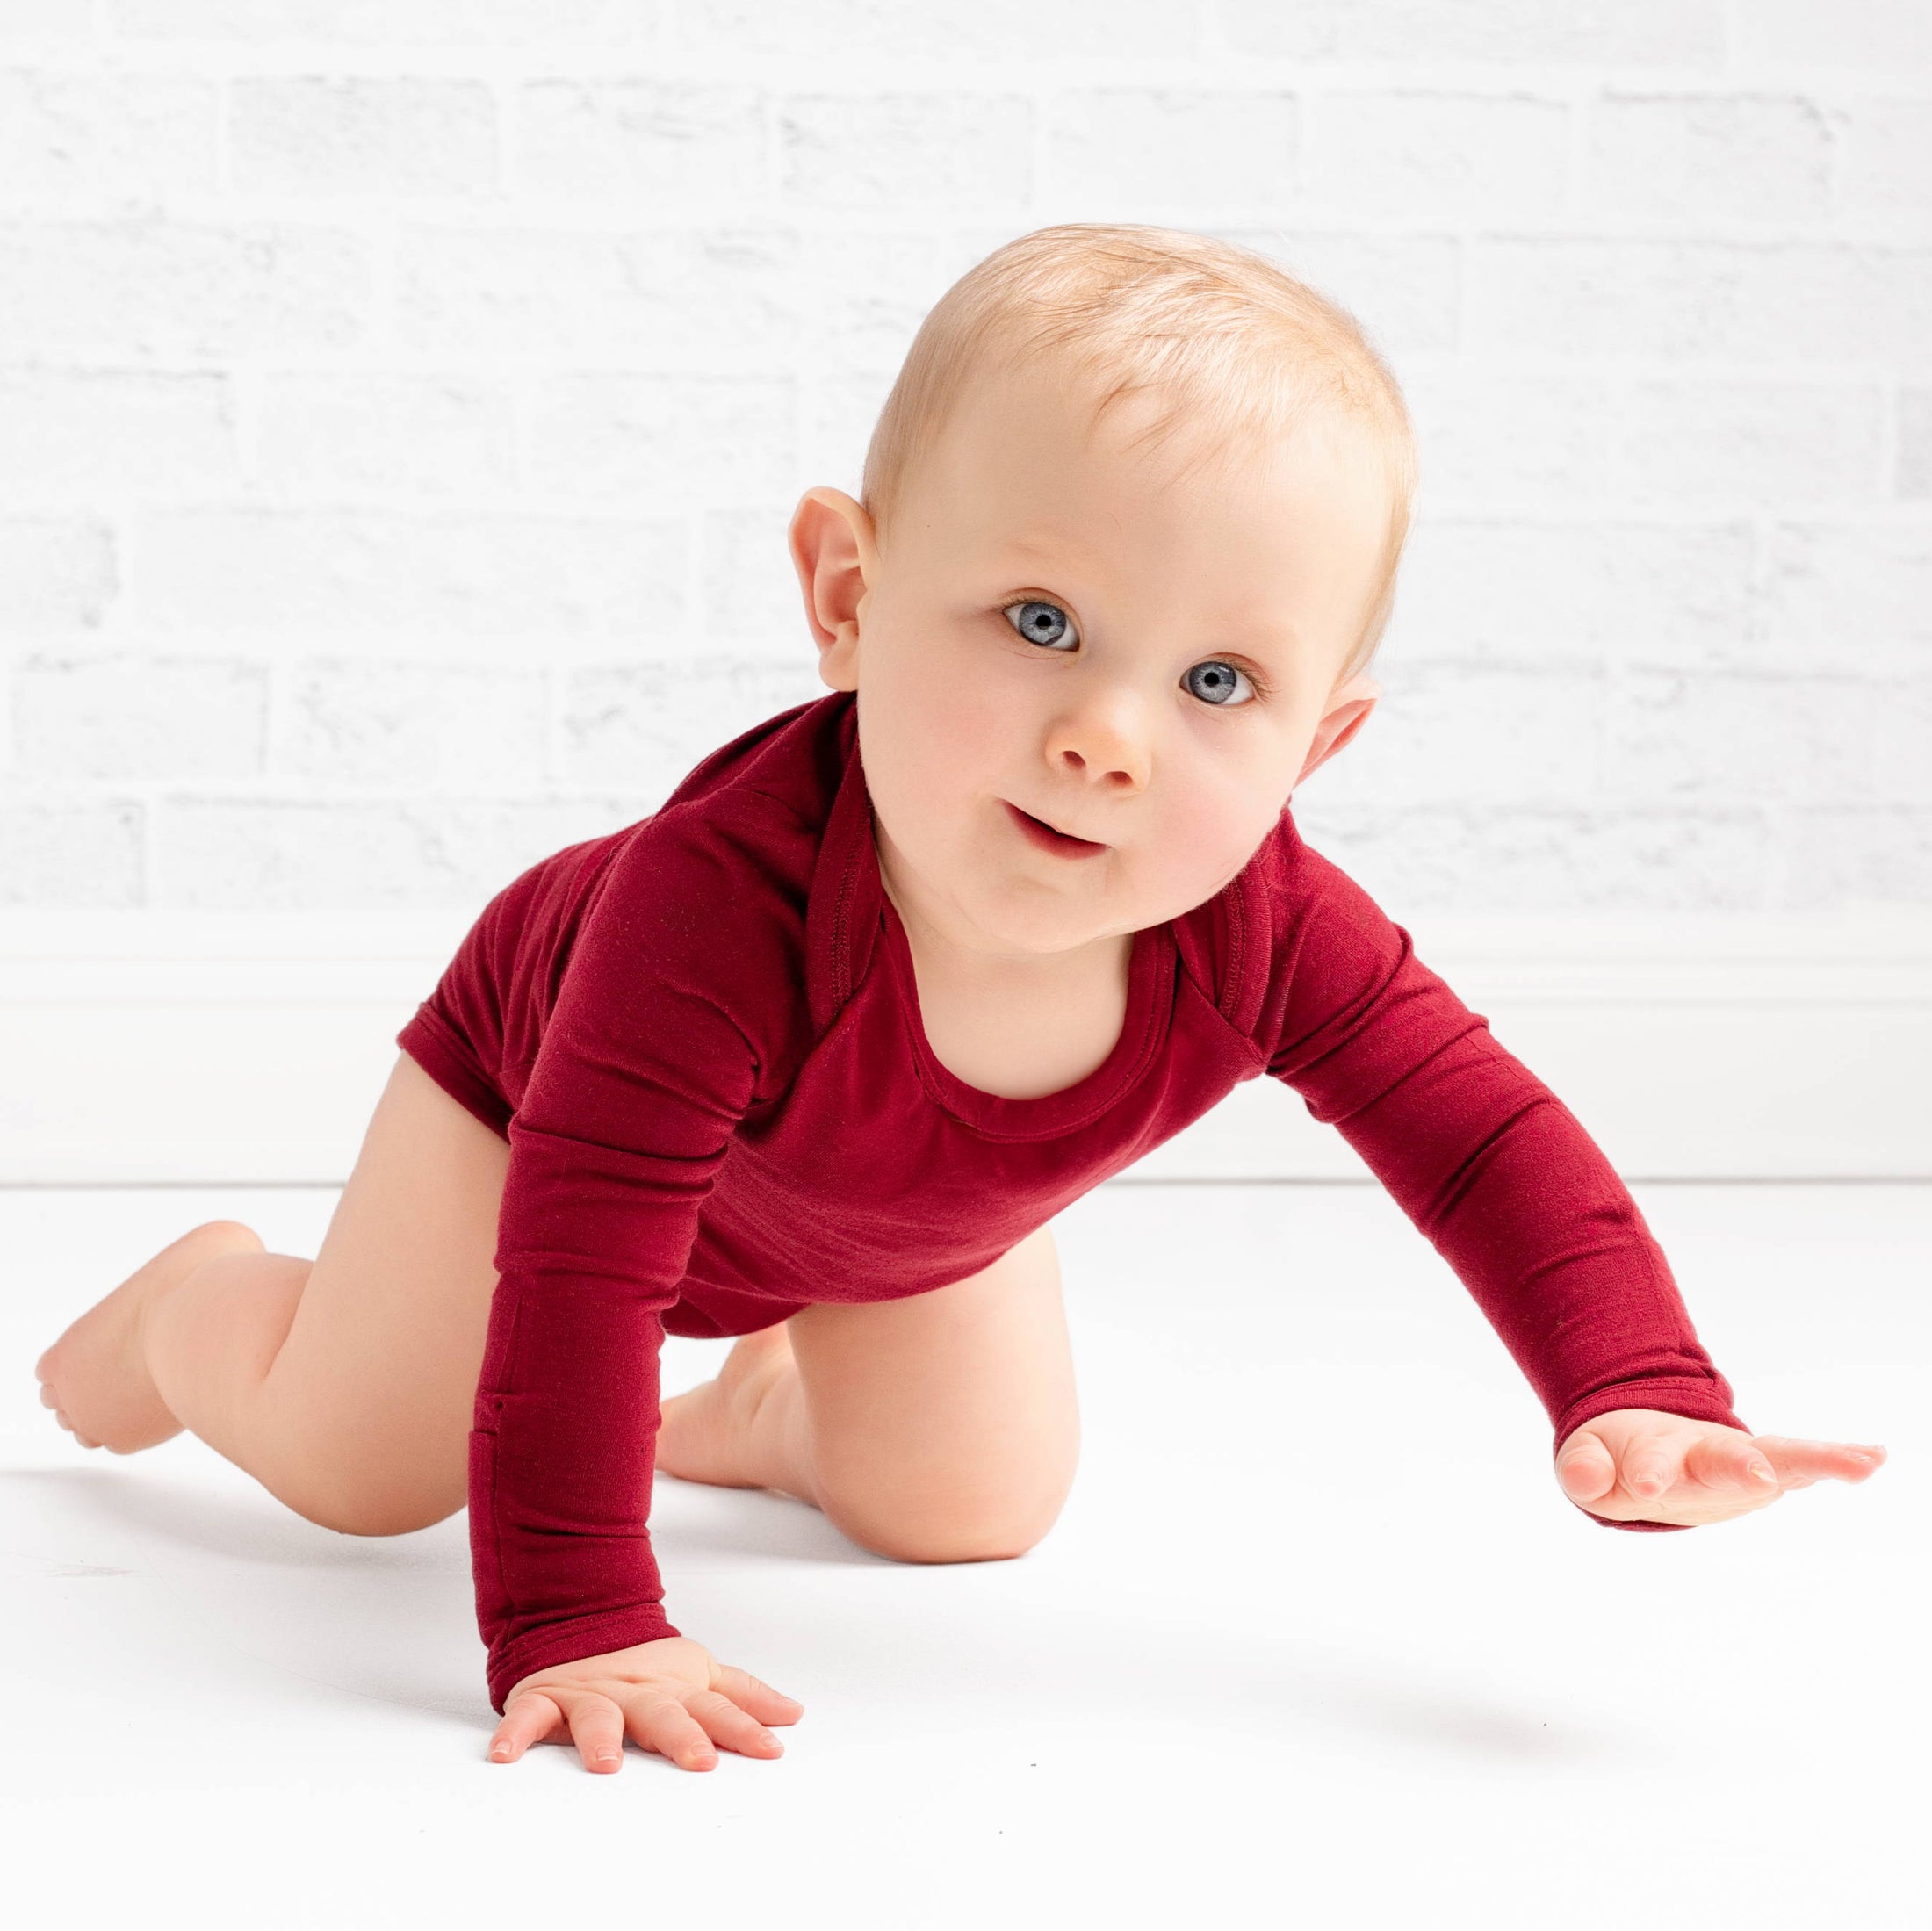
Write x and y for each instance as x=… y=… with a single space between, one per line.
x=671 y=1695
x=1641 y=1465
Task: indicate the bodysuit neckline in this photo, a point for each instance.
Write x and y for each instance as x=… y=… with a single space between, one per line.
x=1054 y=1113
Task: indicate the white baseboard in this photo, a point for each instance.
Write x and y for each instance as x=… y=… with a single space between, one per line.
x=215 y=1047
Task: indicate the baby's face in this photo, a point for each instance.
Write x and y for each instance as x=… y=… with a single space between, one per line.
x=1060 y=628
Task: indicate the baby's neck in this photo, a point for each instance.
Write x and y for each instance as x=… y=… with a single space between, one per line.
x=945 y=958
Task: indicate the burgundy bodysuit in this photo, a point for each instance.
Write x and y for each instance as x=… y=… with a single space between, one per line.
x=700 y=1036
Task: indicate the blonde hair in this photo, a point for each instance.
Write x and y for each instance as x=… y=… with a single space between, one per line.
x=1220 y=336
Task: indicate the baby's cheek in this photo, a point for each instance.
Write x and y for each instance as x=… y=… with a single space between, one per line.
x=1207 y=836
x=970 y=728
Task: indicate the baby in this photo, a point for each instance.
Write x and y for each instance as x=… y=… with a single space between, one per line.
x=813 y=1053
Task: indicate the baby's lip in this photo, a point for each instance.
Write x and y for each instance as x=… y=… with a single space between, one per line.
x=1050 y=825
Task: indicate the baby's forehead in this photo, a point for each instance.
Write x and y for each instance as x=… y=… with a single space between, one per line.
x=1051 y=419
x=1041 y=493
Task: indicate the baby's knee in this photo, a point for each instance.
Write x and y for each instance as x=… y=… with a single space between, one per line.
x=371 y=1516
x=942 y=1536
x=947 y=1548
x=333 y=1493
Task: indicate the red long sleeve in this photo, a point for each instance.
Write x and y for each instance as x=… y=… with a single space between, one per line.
x=627 y=1116
x=1490 y=1165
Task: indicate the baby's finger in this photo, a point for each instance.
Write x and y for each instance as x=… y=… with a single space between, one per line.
x=659 y=1722
x=1587 y=1469
x=596 y=1728
x=1800 y=1463
x=736 y=1729
x=767 y=1705
x=1729 y=1461
x=529 y=1721
x=1650 y=1468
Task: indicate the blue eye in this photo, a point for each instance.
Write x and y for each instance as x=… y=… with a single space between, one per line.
x=1214 y=681
x=1039 y=622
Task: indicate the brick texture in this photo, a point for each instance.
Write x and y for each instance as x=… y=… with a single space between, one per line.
x=402 y=403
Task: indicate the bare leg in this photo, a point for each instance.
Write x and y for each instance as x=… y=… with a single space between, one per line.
x=96 y=1377
x=942 y=1427
x=343 y=1384
x=210 y=1343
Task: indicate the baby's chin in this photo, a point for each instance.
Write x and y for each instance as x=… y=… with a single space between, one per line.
x=1010 y=927
x=1045 y=931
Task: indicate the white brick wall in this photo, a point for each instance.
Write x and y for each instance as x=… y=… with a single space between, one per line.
x=402 y=402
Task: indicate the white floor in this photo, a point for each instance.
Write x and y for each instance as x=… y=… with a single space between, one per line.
x=1317 y=1641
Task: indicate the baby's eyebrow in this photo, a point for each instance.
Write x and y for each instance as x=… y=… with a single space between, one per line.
x=1262 y=634
x=1049 y=540
x=1033 y=549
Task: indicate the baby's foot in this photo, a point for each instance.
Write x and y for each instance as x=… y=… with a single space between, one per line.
x=95 y=1377
x=701 y=1434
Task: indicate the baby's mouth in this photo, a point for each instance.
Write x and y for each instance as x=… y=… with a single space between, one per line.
x=1049 y=835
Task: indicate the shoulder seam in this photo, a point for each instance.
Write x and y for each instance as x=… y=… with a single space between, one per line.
x=785 y=804
x=726 y=790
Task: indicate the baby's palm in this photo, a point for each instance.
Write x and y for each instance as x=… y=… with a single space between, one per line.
x=671 y=1695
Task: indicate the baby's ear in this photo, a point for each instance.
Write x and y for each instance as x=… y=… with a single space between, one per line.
x=832 y=550
x=1348 y=709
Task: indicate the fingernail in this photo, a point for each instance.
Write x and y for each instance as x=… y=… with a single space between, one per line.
x=1761 y=1473
x=607 y=1756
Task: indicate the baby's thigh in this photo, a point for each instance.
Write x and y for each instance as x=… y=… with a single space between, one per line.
x=945 y=1426
x=379 y=1373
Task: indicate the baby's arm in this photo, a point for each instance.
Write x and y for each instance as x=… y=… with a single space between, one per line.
x=1506 y=1185
x=609 y=1159
x=639 y=1084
